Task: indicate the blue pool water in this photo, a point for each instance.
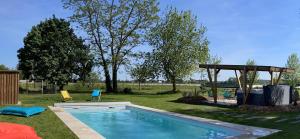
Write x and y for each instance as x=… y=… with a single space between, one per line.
x=135 y=123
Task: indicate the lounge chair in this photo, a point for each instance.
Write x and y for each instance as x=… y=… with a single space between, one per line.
x=96 y=94
x=227 y=95
x=65 y=95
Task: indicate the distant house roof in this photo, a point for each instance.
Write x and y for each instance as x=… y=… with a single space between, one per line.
x=247 y=67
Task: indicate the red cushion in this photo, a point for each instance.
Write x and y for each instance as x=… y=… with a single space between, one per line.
x=17 y=131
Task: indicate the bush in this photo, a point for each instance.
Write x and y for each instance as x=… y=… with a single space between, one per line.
x=192 y=100
x=127 y=91
x=191 y=94
x=168 y=92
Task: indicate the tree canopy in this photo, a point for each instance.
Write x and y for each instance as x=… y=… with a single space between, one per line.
x=3 y=67
x=179 y=45
x=143 y=71
x=251 y=73
x=54 y=53
x=114 y=29
x=293 y=62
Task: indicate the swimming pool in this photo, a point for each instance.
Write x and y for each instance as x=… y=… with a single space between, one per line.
x=137 y=122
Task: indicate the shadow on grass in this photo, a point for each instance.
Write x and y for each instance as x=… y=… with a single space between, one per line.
x=167 y=92
x=205 y=103
x=144 y=93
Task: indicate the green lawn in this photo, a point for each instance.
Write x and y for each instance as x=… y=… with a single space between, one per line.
x=49 y=126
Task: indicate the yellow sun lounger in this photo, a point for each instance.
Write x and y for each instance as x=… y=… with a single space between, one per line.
x=65 y=95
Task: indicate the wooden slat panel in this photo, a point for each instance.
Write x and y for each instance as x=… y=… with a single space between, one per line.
x=17 y=87
x=11 y=91
x=9 y=87
x=1 y=90
x=4 y=89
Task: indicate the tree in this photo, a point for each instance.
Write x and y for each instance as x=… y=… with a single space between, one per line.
x=3 y=67
x=52 y=52
x=214 y=59
x=92 y=78
x=293 y=63
x=232 y=81
x=142 y=72
x=114 y=28
x=179 y=45
x=251 y=74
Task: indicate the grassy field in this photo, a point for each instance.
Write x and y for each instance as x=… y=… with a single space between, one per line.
x=145 y=88
x=49 y=126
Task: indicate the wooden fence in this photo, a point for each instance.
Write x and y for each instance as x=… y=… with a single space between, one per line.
x=9 y=87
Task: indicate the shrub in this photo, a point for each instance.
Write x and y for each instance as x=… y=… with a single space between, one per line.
x=127 y=90
x=191 y=94
x=192 y=100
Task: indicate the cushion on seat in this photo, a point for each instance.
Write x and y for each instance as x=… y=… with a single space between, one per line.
x=96 y=93
x=22 y=111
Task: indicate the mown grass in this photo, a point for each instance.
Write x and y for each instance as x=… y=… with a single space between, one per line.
x=145 y=89
x=49 y=126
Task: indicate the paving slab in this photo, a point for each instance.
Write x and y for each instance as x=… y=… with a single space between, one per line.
x=224 y=113
x=281 y=120
x=297 y=117
x=240 y=116
x=254 y=117
x=295 y=122
x=268 y=118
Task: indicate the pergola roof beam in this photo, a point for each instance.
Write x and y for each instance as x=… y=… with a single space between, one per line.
x=248 y=67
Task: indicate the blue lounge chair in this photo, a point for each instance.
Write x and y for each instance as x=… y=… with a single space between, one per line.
x=96 y=94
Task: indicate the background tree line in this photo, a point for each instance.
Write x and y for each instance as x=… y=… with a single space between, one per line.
x=117 y=32
x=114 y=28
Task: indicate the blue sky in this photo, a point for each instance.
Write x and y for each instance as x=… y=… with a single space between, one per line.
x=267 y=31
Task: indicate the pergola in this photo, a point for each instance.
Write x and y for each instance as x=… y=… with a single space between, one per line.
x=245 y=84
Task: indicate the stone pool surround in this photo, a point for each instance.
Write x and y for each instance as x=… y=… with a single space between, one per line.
x=84 y=132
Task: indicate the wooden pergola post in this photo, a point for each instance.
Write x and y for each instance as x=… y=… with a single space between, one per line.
x=215 y=92
x=279 y=77
x=238 y=79
x=244 y=84
x=271 y=74
x=213 y=83
x=210 y=79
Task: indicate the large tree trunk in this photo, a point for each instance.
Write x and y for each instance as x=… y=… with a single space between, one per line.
x=173 y=80
x=139 y=85
x=107 y=80
x=115 y=79
x=61 y=87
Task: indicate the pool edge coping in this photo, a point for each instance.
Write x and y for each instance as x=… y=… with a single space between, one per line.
x=81 y=130
x=249 y=130
x=244 y=128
